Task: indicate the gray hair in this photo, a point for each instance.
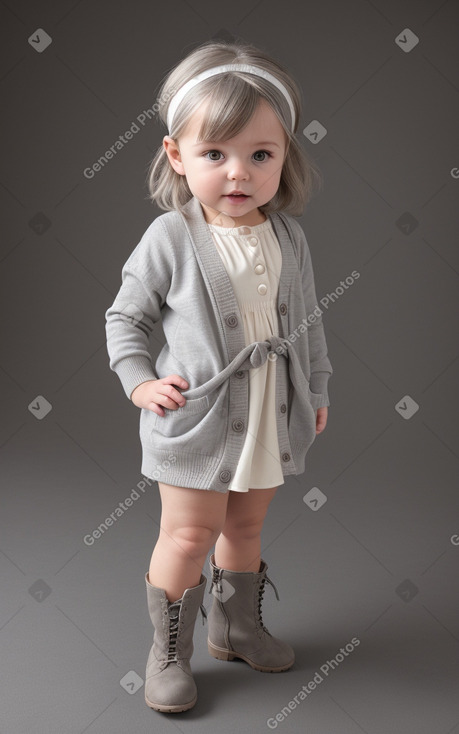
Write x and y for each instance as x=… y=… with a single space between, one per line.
x=233 y=98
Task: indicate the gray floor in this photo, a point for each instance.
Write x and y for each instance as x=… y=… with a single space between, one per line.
x=338 y=571
x=378 y=561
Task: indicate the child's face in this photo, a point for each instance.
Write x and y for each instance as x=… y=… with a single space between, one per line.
x=250 y=162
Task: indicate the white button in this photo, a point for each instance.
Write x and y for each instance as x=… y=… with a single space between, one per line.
x=259 y=269
x=262 y=288
x=253 y=241
x=244 y=230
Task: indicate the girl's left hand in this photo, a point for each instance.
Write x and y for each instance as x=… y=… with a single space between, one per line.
x=321 y=419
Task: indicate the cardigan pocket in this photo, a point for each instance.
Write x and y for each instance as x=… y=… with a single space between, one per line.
x=176 y=423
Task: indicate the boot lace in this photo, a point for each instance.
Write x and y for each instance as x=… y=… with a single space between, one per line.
x=261 y=591
x=174 y=617
x=174 y=614
x=217 y=582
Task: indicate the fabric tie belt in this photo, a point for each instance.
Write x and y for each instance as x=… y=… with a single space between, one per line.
x=255 y=355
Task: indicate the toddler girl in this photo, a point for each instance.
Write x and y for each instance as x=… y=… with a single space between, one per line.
x=239 y=390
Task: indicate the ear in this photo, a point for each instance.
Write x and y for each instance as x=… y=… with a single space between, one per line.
x=173 y=153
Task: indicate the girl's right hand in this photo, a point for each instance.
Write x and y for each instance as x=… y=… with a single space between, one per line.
x=153 y=394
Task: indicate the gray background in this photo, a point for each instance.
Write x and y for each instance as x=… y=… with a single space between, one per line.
x=377 y=560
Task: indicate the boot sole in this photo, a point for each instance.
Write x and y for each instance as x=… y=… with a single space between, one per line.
x=220 y=653
x=171 y=709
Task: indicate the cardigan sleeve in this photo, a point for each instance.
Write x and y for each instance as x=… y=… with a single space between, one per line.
x=137 y=307
x=321 y=369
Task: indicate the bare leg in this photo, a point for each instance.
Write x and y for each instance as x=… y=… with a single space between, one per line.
x=238 y=547
x=191 y=520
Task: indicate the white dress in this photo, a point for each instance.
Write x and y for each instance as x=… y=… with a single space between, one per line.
x=252 y=258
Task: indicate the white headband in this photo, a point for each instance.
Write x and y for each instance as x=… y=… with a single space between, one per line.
x=179 y=95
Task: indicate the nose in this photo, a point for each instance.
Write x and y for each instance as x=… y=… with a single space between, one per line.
x=237 y=170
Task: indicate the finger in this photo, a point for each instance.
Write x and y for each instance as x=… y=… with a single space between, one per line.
x=173 y=393
x=155 y=408
x=175 y=380
x=172 y=399
x=165 y=402
x=321 y=422
x=318 y=422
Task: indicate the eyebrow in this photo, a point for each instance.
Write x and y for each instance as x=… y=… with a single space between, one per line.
x=268 y=142
x=215 y=142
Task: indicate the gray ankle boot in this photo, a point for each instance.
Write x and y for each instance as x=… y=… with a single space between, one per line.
x=235 y=626
x=169 y=683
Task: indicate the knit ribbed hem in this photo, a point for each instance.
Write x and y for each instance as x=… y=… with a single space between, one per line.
x=318 y=383
x=132 y=371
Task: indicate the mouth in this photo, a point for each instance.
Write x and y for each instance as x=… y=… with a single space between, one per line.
x=237 y=198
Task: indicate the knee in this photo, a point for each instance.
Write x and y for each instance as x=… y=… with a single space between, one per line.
x=194 y=541
x=247 y=528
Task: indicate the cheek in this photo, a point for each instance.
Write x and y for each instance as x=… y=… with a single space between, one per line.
x=199 y=169
x=272 y=176
x=276 y=172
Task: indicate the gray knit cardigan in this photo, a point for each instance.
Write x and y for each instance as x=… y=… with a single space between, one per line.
x=175 y=275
